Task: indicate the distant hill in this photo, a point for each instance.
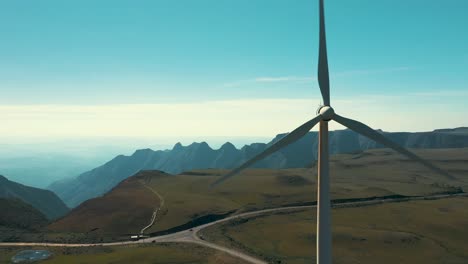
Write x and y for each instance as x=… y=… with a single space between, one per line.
x=302 y=153
x=20 y=215
x=43 y=200
x=126 y=209
x=459 y=130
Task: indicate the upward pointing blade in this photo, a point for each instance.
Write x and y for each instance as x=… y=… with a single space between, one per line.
x=323 y=76
x=372 y=134
x=295 y=135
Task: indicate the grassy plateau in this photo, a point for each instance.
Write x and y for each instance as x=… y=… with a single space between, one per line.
x=429 y=232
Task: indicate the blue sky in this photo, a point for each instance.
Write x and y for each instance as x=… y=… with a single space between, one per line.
x=67 y=65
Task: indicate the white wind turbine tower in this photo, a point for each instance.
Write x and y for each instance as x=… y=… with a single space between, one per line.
x=325 y=114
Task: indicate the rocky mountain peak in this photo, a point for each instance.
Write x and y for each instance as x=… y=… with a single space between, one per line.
x=178 y=146
x=202 y=146
x=228 y=146
x=142 y=152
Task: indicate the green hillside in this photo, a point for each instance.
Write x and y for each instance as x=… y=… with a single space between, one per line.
x=17 y=214
x=43 y=200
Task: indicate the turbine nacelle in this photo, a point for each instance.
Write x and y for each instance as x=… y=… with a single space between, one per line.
x=326 y=112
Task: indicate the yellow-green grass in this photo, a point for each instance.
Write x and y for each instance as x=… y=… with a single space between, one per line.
x=431 y=231
x=155 y=253
x=188 y=195
x=373 y=173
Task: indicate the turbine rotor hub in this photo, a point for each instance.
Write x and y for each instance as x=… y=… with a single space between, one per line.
x=326 y=112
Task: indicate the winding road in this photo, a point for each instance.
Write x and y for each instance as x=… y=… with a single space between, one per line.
x=155 y=213
x=191 y=235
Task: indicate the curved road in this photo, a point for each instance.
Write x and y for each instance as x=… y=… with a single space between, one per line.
x=155 y=213
x=191 y=235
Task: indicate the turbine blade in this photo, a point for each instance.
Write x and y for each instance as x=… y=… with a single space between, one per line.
x=288 y=139
x=372 y=134
x=323 y=75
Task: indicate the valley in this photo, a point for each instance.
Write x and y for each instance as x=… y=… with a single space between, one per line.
x=44 y=201
x=189 y=202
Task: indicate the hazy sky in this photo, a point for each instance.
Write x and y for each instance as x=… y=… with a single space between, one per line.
x=227 y=67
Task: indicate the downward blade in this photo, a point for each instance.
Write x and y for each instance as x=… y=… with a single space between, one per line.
x=288 y=139
x=379 y=138
x=323 y=75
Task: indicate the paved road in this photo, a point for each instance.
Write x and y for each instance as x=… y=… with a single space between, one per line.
x=191 y=235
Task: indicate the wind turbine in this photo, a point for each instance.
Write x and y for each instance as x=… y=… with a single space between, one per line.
x=325 y=114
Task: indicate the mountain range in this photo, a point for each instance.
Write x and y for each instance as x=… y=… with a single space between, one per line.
x=45 y=201
x=302 y=153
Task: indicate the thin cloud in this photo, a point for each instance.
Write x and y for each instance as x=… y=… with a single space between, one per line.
x=305 y=79
x=271 y=79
